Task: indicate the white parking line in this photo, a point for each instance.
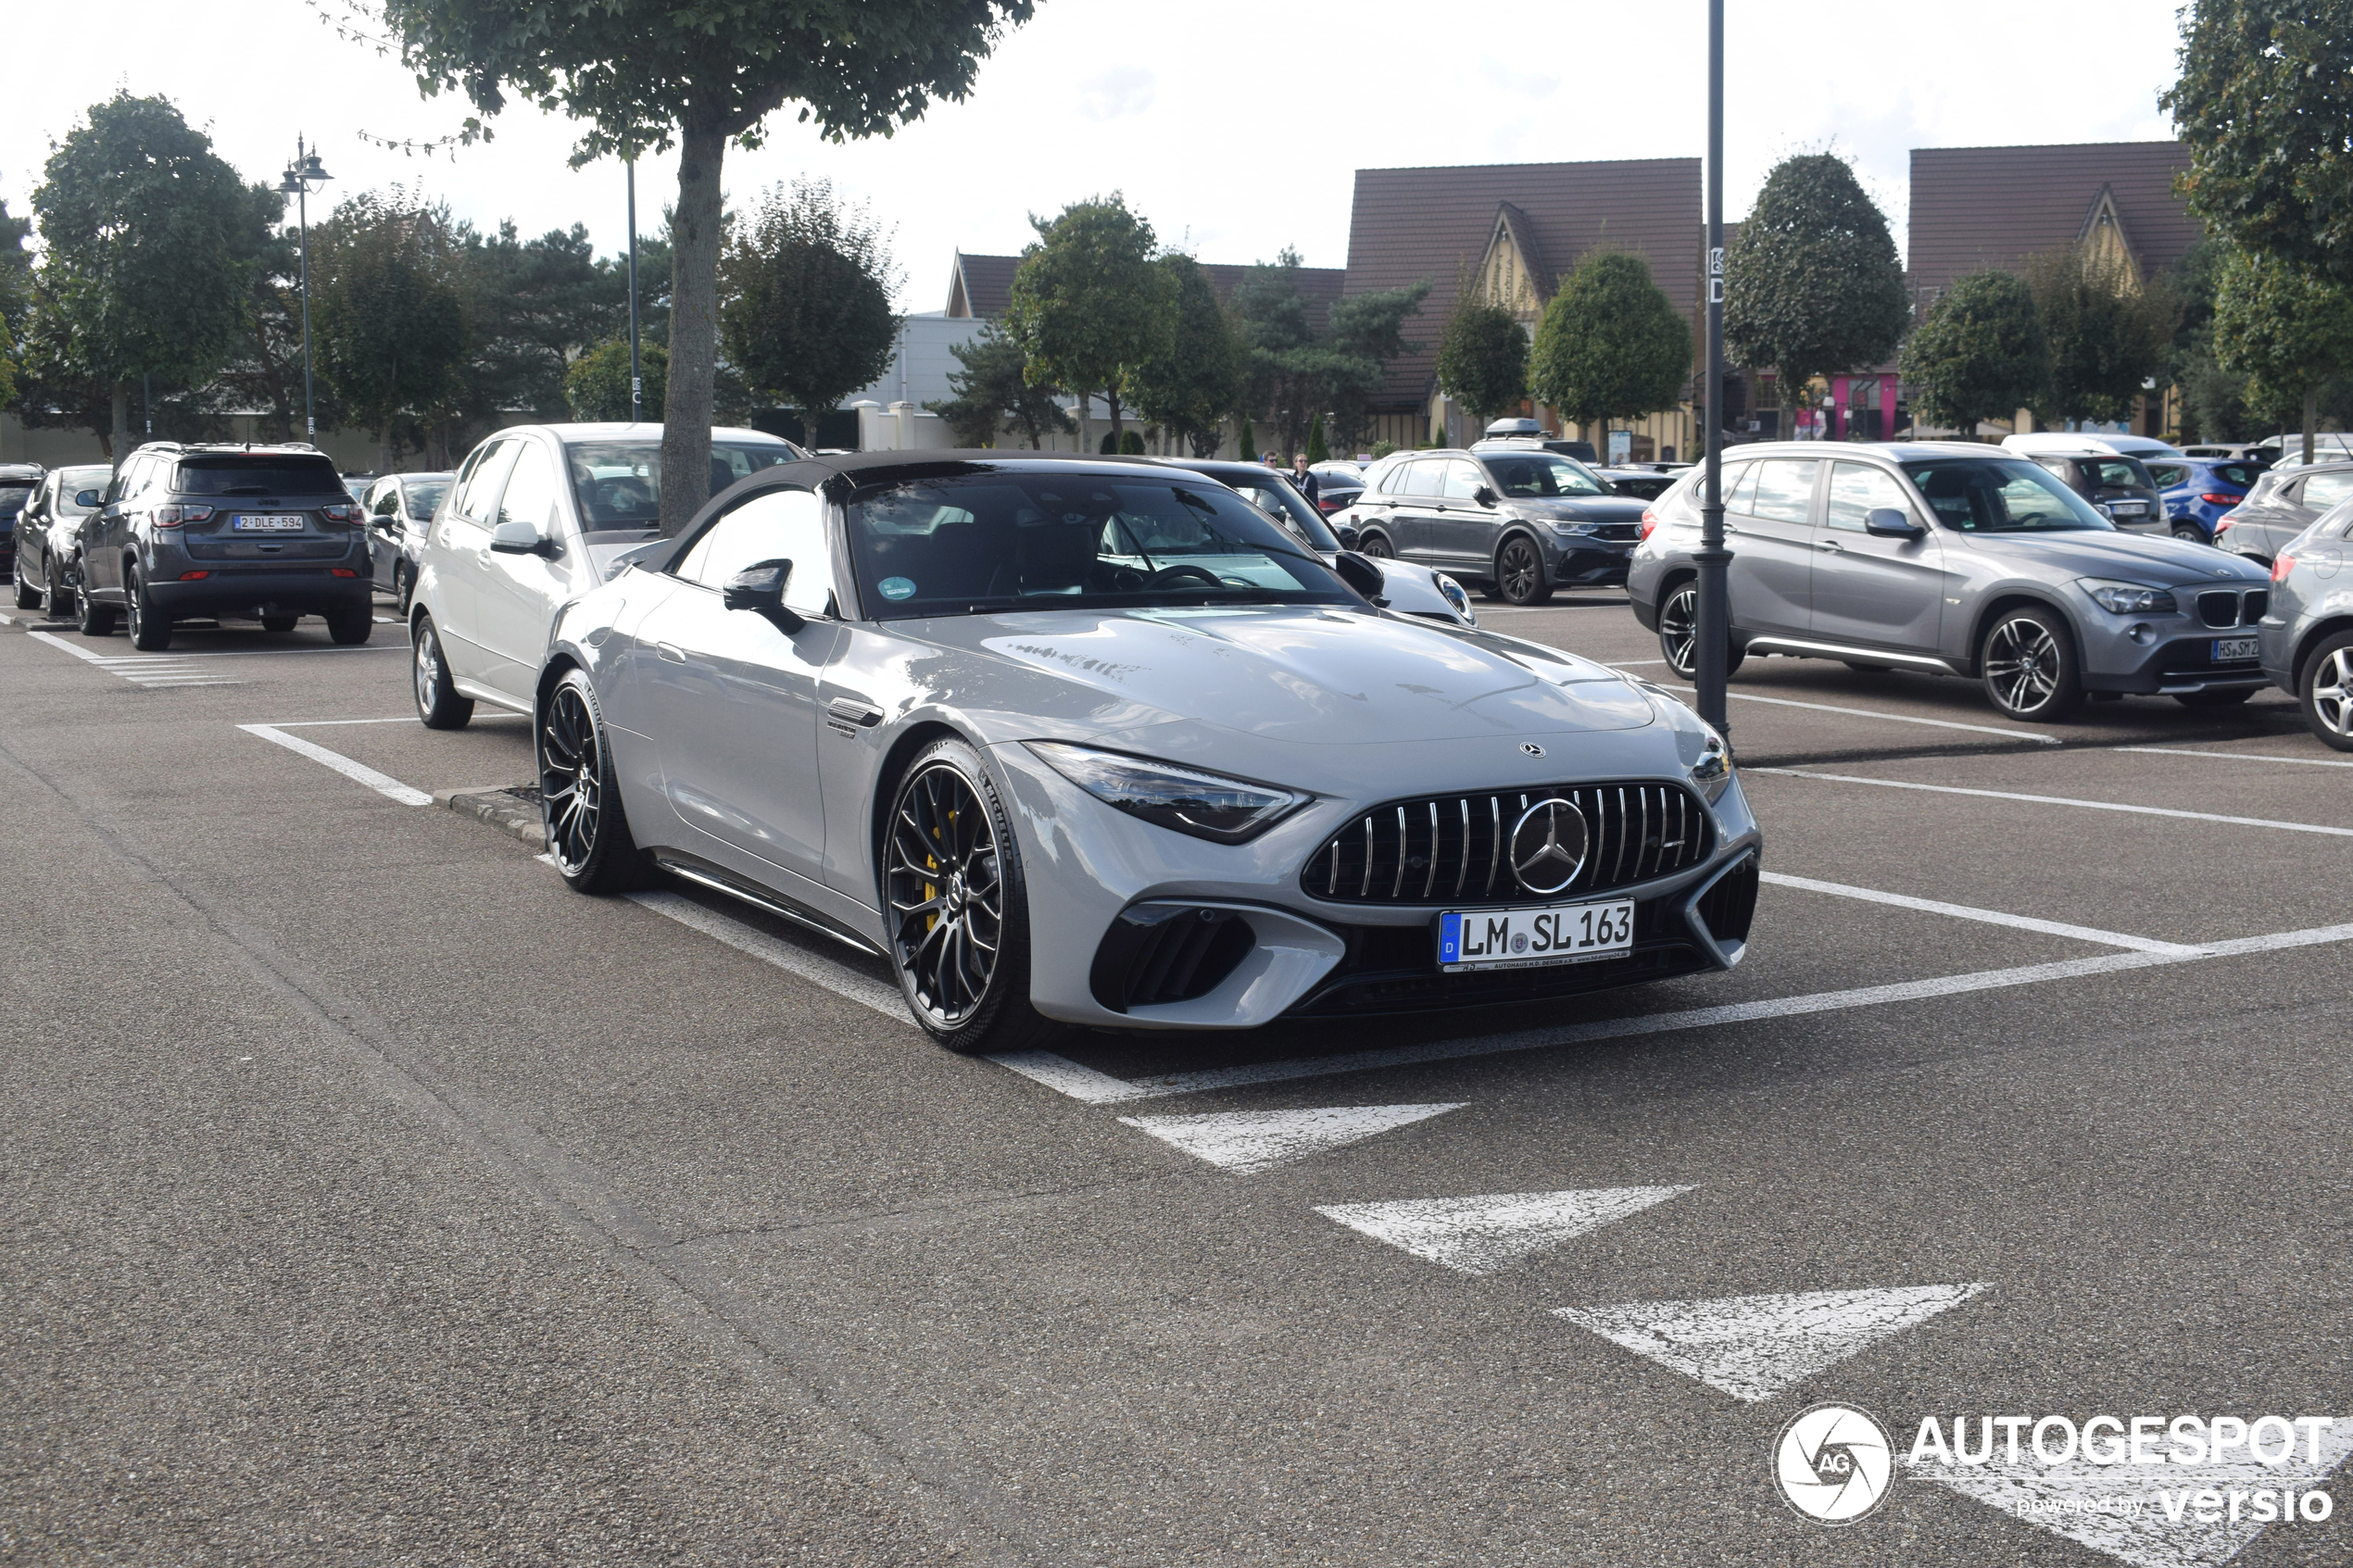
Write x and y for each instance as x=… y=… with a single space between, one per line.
x=2026 y=735
x=1990 y=917
x=815 y=968
x=2062 y=800
x=383 y=783
x=2234 y=755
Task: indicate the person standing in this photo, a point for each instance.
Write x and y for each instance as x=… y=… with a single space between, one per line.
x=1302 y=478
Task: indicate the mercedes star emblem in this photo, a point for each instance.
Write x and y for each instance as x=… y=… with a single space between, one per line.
x=1548 y=846
x=1531 y=747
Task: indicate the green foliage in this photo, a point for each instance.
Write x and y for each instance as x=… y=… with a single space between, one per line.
x=1482 y=357
x=1190 y=385
x=991 y=392
x=805 y=314
x=2265 y=105
x=1381 y=449
x=146 y=264
x=2288 y=332
x=1979 y=354
x=1812 y=284
x=16 y=296
x=2106 y=334
x=1131 y=442
x=534 y=307
x=1249 y=452
x=1611 y=345
x=1293 y=372
x=1317 y=452
x=597 y=385
x=389 y=329
x=1089 y=306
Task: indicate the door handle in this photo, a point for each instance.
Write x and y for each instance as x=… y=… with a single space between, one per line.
x=1828 y=545
x=671 y=652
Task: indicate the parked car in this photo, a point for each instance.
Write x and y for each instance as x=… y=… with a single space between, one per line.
x=17 y=481
x=2232 y=451
x=535 y=515
x=2117 y=485
x=2034 y=444
x=2199 y=491
x=48 y=558
x=1646 y=483
x=1408 y=590
x=1338 y=484
x=224 y=532
x=942 y=707
x=1954 y=559
x=399 y=508
x=1533 y=433
x=2284 y=502
x=2306 y=637
x=1518 y=520
x=358 y=485
x=2286 y=449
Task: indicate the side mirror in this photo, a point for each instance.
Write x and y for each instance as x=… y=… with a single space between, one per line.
x=1484 y=495
x=760 y=588
x=1361 y=573
x=1889 y=522
x=520 y=539
x=85 y=497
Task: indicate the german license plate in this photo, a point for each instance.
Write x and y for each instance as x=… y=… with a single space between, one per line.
x=2229 y=648
x=1523 y=938
x=269 y=522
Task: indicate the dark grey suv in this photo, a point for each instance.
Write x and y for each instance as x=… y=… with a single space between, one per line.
x=1517 y=523
x=225 y=532
x=2284 y=503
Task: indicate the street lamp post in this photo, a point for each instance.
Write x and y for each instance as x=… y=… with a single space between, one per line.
x=636 y=386
x=1711 y=647
x=300 y=176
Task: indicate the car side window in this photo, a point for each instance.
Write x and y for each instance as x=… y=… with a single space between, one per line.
x=1785 y=489
x=1860 y=489
x=2169 y=475
x=2325 y=489
x=530 y=494
x=1740 y=489
x=1415 y=479
x=478 y=504
x=477 y=467
x=773 y=525
x=1462 y=480
x=388 y=499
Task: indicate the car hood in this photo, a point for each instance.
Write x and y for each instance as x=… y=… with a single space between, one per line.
x=1580 y=508
x=1295 y=675
x=2156 y=559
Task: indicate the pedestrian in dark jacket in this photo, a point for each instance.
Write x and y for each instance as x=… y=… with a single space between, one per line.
x=1301 y=477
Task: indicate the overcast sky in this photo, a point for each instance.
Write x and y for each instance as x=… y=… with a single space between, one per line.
x=1234 y=128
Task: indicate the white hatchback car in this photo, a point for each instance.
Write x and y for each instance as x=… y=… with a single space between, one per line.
x=536 y=516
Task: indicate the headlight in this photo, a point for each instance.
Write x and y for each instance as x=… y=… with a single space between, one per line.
x=2128 y=598
x=1712 y=774
x=1204 y=805
x=1572 y=528
x=1454 y=594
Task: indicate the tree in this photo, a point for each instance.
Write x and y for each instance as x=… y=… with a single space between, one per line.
x=1367 y=331
x=597 y=385
x=647 y=74
x=388 y=320
x=1812 y=284
x=145 y=264
x=2287 y=331
x=1611 y=344
x=1295 y=372
x=16 y=296
x=2265 y=105
x=1482 y=357
x=991 y=391
x=1187 y=388
x=535 y=306
x=805 y=313
x=1318 y=451
x=2108 y=333
x=1977 y=354
x=1089 y=305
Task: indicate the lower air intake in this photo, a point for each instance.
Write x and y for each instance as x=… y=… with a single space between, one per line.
x=1728 y=906
x=1160 y=953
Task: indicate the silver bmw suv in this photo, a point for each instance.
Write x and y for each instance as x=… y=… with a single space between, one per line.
x=1954 y=559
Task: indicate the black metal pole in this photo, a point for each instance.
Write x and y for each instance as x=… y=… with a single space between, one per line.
x=636 y=386
x=302 y=206
x=1712 y=645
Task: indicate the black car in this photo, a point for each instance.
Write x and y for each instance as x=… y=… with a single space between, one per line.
x=399 y=508
x=48 y=537
x=17 y=481
x=2118 y=486
x=225 y=532
x=1516 y=520
x=2284 y=503
x=1644 y=481
x=1337 y=486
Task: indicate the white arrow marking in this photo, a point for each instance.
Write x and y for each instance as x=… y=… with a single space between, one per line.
x=1255 y=1140
x=1477 y=1236
x=2146 y=1514
x=1752 y=1347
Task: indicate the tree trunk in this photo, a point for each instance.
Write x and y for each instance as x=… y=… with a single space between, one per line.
x=2311 y=417
x=1082 y=424
x=122 y=441
x=694 y=329
x=1110 y=395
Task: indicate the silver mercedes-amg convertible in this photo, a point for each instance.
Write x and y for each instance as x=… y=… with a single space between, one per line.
x=1094 y=742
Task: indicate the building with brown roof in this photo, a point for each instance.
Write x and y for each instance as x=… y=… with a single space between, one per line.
x=980 y=286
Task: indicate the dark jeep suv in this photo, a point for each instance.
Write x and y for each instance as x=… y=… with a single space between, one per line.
x=1520 y=521
x=225 y=532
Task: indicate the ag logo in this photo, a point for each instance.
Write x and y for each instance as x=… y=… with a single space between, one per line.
x=1832 y=1462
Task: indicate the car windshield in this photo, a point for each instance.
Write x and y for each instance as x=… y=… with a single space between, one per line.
x=425 y=496
x=14 y=493
x=1281 y=501
x=2002 y=496
x=73 y=482
x=618 y=483
x=977 y=542
x=1547 y=473
x=260 y=473
x=2120 y=473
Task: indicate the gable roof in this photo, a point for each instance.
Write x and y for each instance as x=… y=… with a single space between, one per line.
x=980 y=286
x=1407 y=224
x=1994 y=207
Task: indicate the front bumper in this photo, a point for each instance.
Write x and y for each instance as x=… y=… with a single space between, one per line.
x=2170 y=666
x=1578 y=561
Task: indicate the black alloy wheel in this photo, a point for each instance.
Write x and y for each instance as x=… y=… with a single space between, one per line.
x=958 y=910
x=150 y=628
x=1678 y=634
x=2029 y=669
x=98 y=620
x=1520 y=571
x=438 y=704
x=579 y=798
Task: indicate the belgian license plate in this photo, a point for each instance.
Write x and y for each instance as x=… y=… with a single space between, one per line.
x=1523 y=938
x=269 y=522
x=2129 y=508
x=2228 y=649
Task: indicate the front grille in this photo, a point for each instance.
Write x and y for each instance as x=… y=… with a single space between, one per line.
x=1618 y=531
x=2224 y=608
x=1452 y=848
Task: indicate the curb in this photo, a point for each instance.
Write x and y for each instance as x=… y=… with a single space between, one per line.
x=512 y=811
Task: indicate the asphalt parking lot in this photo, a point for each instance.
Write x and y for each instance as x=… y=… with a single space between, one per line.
x=373 y=1198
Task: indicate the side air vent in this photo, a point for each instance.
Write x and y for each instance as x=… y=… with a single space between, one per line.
x=1730 y=904
x=1160 y=953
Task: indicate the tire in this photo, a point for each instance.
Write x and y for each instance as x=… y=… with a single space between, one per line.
x=28 y=597
x=60 y=598
x=438 y=704
x=150 y=628
x=2229 y=697
x=1520 y=571
x=350 y=628
x=1376 y=545
x=98 y=620
x=580 y=794
x=959 y=942
x=2028 y=666
x=279 y=622
x=1679 y=633
x=2325 y=687
x=404 y=588
x=2191 y=532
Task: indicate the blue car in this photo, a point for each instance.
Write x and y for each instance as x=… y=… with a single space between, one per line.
x=2197 y=491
